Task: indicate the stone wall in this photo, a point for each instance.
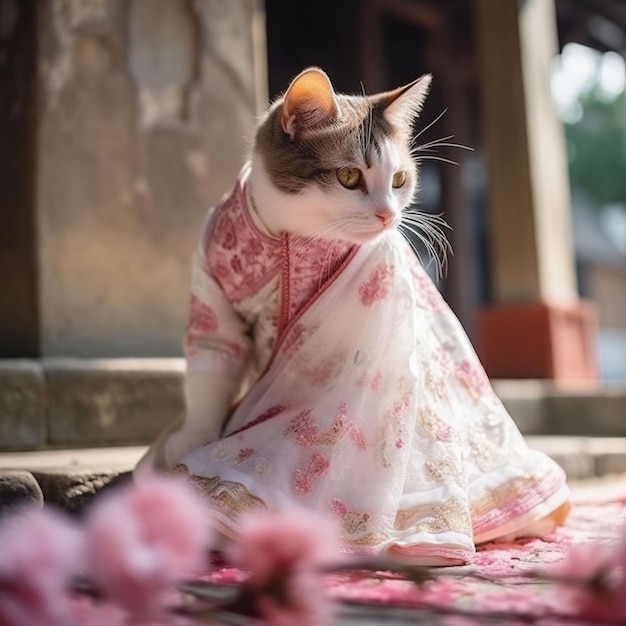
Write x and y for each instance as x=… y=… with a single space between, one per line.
x=144 y=111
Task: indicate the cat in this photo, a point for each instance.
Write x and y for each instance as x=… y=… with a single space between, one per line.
x=318 y=348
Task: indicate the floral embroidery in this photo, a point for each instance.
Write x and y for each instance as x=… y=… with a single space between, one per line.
x=436 y=384
x=231 y=238
x=202 y=318
x=302 y=480
x=376 y=287
x=357 y=437
x=443 y=470
x=307 y=432
x=252 y=249
x=244 y=453
x=319 y=465
x=323 y=372
x=393 y=428
x=473 y=377
x=228 y=237
x=231 y=499
x=235 y=263
x=338 y=507
x=353 y=522
x=451 y=515
x=434 y=425
x=489 y=445
x=428 y=295
x=373 y=382
x=442 y=360
x=303 y=427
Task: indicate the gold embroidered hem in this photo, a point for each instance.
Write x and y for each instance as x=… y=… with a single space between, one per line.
x=231 y=499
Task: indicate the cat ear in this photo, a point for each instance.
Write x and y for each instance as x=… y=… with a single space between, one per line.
x=309 y=101
x=403 y=105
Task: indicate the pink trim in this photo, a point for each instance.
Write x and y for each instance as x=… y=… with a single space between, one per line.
x=309 y=304
x=284 y=287
x=288 y=327
x=519 y=507
x=266 y=415
x=428 y=550
x=238 y=283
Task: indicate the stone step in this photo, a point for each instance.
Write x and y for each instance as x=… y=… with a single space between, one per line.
x=581 y=457
x=69 y=478
x=74 y=403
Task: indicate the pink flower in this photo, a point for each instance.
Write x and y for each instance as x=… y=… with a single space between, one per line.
x=585 y=561
x=39 y=555
x=601 y=593
x=287 y=541
x=140 y=539
x=283 y=553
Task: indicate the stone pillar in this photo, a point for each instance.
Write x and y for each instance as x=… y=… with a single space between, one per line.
x=144 y=110
x=537 y=327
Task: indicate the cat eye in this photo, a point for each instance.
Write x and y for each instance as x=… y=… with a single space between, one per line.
x=399 y=178
x=349 y=177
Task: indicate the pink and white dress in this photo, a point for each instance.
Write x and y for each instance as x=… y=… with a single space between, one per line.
x=360 y=395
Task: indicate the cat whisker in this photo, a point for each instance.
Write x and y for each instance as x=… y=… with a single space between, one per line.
x=436 y=158
x=433 y=227
x=429 y=229
x=439 y=142
x=444 y=144
x=432 y=142
x=436 y=218
x=429 y=242
x=405 y=230
x=431 y=124
x=437 y=257
x=326 y=263
x=411 y=243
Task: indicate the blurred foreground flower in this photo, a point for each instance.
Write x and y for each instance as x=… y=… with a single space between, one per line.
x=285 y=555
x=39 y=555
x=139 y=540
x=132 y=559
x=593 y=580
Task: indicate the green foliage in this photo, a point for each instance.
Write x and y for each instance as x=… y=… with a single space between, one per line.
x=597 y=148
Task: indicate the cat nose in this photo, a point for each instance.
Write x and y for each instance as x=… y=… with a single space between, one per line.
x=385 y=216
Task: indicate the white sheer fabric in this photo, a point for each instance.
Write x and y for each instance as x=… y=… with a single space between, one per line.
x=365 y=399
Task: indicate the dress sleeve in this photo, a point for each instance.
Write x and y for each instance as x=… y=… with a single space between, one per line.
x=216 y=338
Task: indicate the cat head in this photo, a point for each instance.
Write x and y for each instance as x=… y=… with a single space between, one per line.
x=336 y=166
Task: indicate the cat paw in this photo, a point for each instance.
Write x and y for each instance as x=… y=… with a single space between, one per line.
x=180 y=443
x=151 y=463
